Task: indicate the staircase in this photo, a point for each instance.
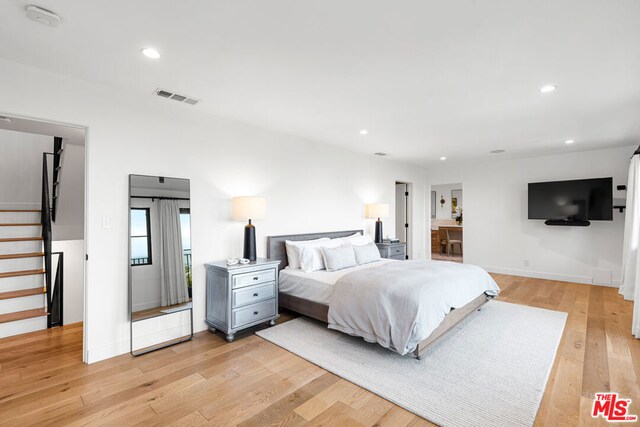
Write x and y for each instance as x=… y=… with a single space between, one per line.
x=31 y=285
x=22 y=288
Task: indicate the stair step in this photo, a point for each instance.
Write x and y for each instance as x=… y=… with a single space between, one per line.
x=21 y=315
x=19 y=239
x=21 y=224
x=22 y=293
x=20 y=210
x=26 y=255
x=21 y=273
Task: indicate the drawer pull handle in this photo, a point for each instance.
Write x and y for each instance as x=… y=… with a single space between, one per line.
x=255 y=313
x=255 y=295
x=255 y=278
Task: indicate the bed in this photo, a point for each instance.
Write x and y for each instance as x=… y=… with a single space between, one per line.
x=310 y=294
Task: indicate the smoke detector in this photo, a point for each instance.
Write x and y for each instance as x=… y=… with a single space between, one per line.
x=176 y=96
x=43 y=16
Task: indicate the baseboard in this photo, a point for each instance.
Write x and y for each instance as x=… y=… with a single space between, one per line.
x=548 y=276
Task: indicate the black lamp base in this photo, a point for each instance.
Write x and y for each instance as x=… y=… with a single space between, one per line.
x=249 y=251
x=378 y=238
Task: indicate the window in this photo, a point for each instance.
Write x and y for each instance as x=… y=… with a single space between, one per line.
x=185 y=228
x=140 y=236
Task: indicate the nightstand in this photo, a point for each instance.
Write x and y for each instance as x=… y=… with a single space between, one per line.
x=242 y=295
x=393 y=250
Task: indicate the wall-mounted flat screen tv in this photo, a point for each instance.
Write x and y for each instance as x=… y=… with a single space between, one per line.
x=576 y=200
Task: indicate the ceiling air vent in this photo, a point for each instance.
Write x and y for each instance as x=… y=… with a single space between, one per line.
x=176 y=97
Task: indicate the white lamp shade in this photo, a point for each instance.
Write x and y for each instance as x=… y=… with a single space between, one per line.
x=376 y=210
x=249 y=207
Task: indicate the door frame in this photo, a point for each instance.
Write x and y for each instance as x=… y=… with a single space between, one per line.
x=85 y=320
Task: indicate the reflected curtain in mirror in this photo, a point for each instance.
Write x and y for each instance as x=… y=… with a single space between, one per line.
x=173 y=281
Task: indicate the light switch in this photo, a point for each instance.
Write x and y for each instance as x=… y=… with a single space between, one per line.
x=106 y=221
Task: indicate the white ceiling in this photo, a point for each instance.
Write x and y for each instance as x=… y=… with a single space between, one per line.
x=70 y=134
x=427 y=78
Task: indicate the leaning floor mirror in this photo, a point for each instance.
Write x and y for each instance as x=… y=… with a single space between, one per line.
x=159 y=262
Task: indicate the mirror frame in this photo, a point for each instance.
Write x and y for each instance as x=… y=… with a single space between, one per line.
x=164 y=344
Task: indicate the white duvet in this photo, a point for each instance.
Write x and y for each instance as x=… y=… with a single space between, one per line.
x=399 y=304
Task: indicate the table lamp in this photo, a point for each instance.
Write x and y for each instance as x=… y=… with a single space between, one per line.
x=249 y=208
x=377 y=210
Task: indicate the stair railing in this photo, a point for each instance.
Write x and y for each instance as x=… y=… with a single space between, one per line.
x=57 y=167
x=54 y=293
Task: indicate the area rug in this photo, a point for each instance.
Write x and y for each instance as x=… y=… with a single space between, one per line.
x=490 y=370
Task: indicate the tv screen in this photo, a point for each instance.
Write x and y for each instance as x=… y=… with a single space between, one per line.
x=577 y=200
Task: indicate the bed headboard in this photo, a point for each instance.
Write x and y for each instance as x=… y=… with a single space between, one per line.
x=276 y=247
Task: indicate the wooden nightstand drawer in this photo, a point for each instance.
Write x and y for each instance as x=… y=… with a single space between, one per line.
x=248 y=279
x=397 y=250
x=253 y=294
x=253 y=313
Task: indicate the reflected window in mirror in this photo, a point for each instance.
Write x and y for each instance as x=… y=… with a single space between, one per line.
x=185 y=228
x=140 y=236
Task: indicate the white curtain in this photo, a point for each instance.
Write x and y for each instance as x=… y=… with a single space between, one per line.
x=630 y=286
x=173 y=280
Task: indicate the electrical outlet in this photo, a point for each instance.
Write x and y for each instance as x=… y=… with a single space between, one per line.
x=106 y=221
x=525 y=263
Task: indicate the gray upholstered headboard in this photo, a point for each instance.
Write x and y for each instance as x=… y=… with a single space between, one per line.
x=276 y=248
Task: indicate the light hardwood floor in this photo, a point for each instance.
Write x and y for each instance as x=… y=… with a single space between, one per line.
x=251 y=382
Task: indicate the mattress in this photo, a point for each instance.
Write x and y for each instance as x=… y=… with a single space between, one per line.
x=317 y=286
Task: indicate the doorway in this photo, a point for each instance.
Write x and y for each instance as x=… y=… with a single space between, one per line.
x=42 y=210
x=403 y=214
x=447 y=222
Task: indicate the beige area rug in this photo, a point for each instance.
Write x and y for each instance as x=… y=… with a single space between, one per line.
x=490 y=370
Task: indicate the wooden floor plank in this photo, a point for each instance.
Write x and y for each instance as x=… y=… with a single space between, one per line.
x=252 y=382
x=596 y=369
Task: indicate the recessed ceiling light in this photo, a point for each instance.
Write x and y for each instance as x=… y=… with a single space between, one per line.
x=443 y=158
x=4 y=119
x=497 y=151
x=364 y=132
x=548 y=88
x=569 y=141
x=380 y=154
x=150 y=52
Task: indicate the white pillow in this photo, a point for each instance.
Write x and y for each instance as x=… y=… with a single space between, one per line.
x=357 y=239
x=339 y=258
x=366 y=253
x=293 y=248
x=311 y=256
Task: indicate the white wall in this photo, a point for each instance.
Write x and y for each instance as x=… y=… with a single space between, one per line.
x=21 y=168
x=69 y=224
x=498 y=235
x=309 y=187
x=73 y=278
x=444 y=211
